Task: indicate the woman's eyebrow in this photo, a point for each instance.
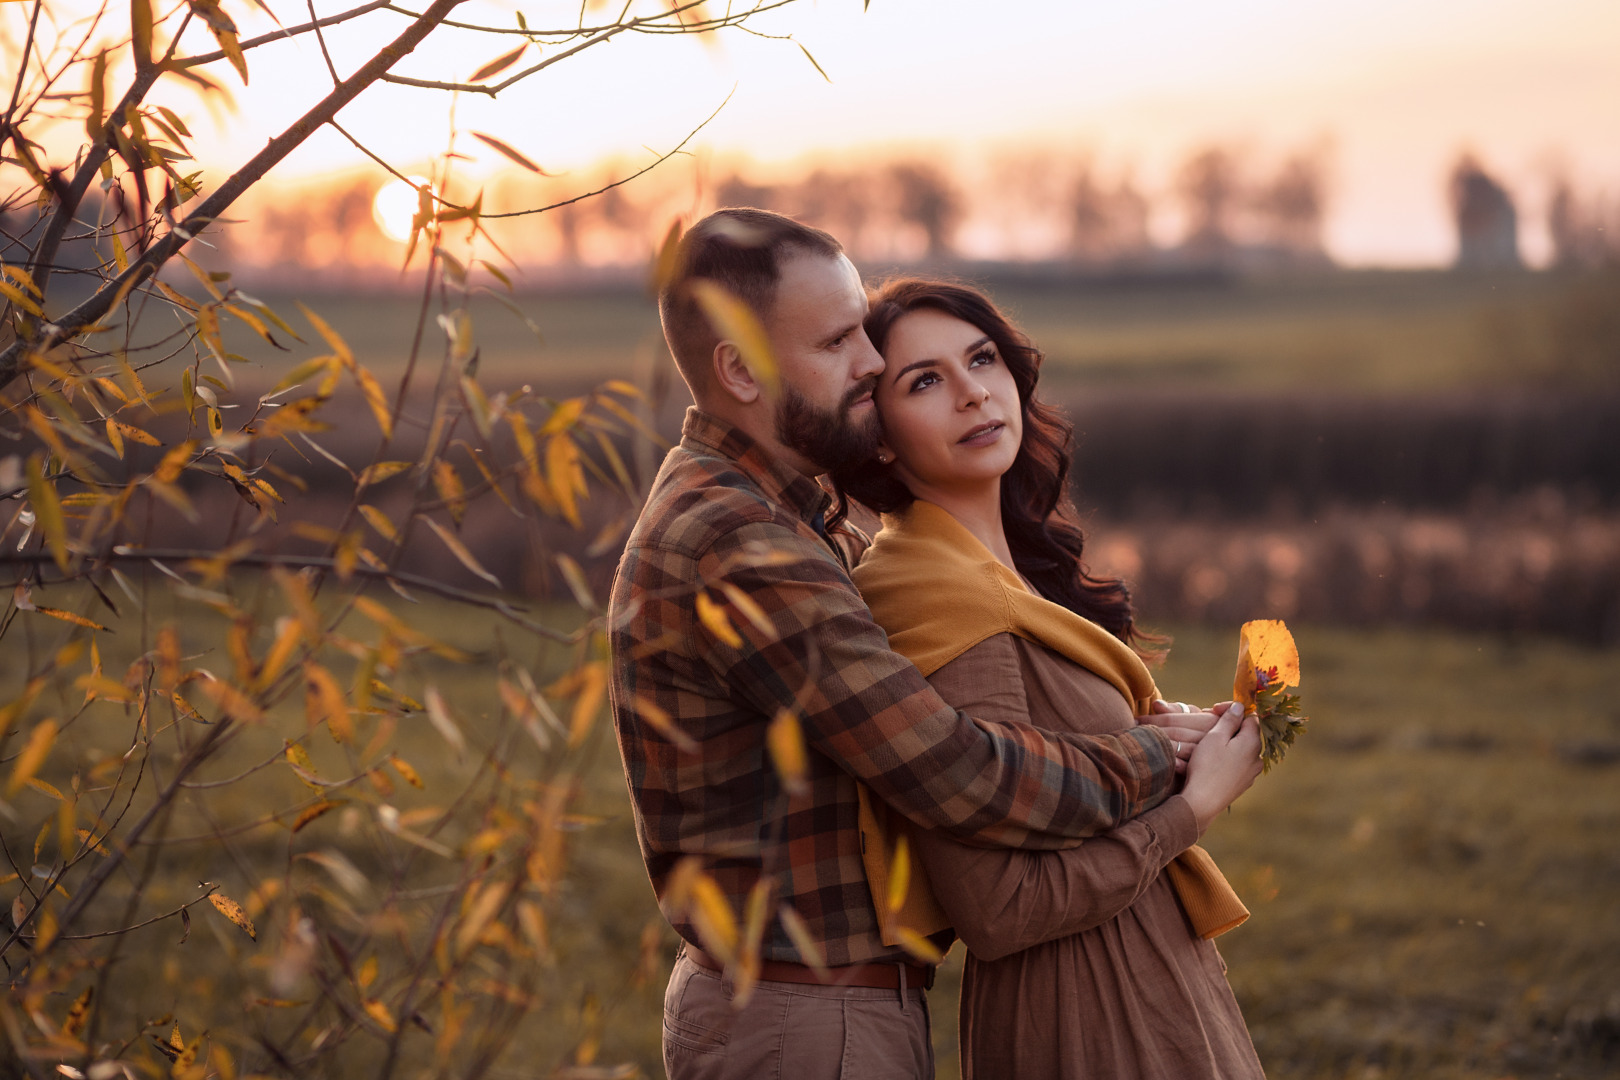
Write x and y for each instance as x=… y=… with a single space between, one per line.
x=973 y=348
x=913 y=366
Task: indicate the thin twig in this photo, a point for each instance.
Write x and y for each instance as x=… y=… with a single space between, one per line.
x=293 y=31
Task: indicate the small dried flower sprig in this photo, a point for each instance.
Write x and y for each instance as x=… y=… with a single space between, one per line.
x=1268 y=664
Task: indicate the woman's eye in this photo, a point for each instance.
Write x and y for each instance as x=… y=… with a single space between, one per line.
x=988 y=356
x=923 y=381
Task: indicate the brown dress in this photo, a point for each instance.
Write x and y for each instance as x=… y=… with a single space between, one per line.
x=1080 y=963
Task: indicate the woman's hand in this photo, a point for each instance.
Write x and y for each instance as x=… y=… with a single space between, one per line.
x=1223 y=765
x=1184 y=725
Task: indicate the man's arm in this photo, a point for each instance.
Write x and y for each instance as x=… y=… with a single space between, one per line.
x=1001 y=901
x=868 y=709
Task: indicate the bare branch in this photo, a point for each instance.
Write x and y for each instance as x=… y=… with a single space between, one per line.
x=216 y=204
x=625 y=180
x=291 y=31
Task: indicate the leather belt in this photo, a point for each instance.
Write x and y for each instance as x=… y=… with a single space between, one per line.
x=896 y=975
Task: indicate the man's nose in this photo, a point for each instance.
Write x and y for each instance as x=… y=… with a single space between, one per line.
x=868 y=360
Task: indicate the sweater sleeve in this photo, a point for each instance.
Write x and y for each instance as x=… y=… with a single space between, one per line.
x=1002 y=901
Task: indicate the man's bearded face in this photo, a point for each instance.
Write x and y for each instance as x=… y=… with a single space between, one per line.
x=831 y=439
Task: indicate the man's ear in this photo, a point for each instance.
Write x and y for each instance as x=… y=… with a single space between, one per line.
x=732 y=376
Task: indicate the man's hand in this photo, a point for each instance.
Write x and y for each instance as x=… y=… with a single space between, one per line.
x=1184 y=725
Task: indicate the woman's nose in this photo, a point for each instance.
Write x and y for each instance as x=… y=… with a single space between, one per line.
x=976 y=394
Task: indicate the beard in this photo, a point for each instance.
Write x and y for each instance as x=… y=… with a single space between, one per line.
x=830 y=439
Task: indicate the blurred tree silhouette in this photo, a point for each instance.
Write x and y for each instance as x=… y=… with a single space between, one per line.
x=249 y=713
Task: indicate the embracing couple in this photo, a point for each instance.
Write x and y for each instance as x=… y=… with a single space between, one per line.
x=974 y=703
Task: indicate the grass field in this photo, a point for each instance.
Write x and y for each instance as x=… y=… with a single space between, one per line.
x=1432 y=872
x=1353 y=331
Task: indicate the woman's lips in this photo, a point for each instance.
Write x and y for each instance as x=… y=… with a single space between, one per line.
x=983 y=435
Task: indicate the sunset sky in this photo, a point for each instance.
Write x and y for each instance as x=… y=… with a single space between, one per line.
x=1395 y=89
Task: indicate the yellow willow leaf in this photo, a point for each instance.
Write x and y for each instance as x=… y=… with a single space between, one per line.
x=380 y=782
x=115 y=437
x=41 y=786
x=320 y=809
x=785 y=739
x=502 y=147
x=479 y=914
x=376 y=399
x=233 y=911
x=667 y=261
x=169 y=468
x=406 y=772
x=447 y=482
x=524 y=439
x=383 y=470
x=798 y=932
x=498 y=65
x=919 y=946
x=288 y=631
x=80 y=1012
x=21 y=299
x=459 y=550
x=324 y=703
x=135 y=434
x=564 y=416
x=47 y=511
x=592 y=689
x=379 y=521
x=899 y=876
x=302 y=767
x=734 y=321
x=1264 y=644
x=332 y=337
x=439 y=715
x=233 y=52
x=33 y=755
x=663 y=723
x=68 y=616
x=367 y=973
x=750 y=610
x=716 y=923
x=714 y=619
x=232 y=701
x=574 y=575
x=564 y=476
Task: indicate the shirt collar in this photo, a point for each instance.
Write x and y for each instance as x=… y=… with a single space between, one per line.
x=780 y=481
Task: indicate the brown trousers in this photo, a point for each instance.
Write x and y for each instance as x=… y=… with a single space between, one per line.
x=790 y=1031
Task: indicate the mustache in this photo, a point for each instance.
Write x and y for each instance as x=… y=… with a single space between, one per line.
x=865 y=388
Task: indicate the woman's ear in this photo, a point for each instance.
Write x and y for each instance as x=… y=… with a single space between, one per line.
x=732 y=375
x=884 y=455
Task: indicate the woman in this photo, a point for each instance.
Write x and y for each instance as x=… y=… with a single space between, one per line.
x=1094 y=961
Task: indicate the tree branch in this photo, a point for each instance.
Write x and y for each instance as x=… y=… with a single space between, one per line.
x=291 y=31
x=92 y=309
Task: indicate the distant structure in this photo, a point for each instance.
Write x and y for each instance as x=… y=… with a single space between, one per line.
x=1487 y=223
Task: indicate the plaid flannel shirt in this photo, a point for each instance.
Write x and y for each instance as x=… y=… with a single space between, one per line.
x=722 y=511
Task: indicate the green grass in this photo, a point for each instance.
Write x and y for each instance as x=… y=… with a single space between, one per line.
x=1364 y=331
x=1432 y=870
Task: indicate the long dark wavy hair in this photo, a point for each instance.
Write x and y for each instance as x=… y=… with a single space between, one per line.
x=1040 y=520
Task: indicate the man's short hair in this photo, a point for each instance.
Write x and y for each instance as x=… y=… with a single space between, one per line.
x=741 y=249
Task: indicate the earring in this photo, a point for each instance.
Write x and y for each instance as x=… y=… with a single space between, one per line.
x=883 y=459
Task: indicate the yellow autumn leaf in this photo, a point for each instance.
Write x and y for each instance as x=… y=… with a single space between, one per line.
x=785 y=740
x=665 y=263
x=511 y=152
x=322 y=327
x=379 y=521
x=1264 y=644
x=459 y=550
x=899 y=876
x=310 y=813
x=714 y=619
x=564 y=476
x=798 y=932
x=663 y=723
x=592 y=689
x=750 y=610
x=233 y=911
x=406 y=772
x=716 y=923
x=734 y=321
x=379 y=1012
x=383 y=470
x=376 y=399
x=302 y=767
x=918 y=946
x=498 y=65
x=47 y=511
x=34 y=753
x=78 y=1014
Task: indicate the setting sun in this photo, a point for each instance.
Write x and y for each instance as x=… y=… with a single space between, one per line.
x=395 y=206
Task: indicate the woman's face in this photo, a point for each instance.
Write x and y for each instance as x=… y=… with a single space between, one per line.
x=949 y=405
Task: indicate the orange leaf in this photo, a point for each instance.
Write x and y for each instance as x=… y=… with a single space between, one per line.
x=499 y=64
x=510 y=152
x=233 y=911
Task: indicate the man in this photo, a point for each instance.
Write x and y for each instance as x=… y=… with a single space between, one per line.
x=733 y=607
